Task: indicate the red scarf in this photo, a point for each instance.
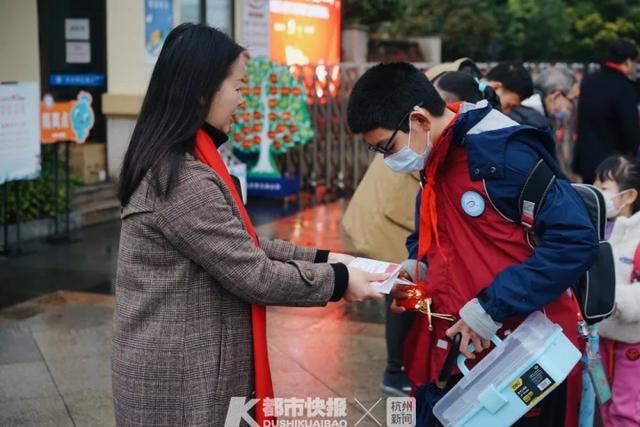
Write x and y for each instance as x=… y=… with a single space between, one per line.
x=617 y=67
x=428 y=230
x=207 y=153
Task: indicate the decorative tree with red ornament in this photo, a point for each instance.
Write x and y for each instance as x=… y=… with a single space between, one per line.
x=273 y=116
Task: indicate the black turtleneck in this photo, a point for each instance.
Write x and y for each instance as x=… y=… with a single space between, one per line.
x=217 y=136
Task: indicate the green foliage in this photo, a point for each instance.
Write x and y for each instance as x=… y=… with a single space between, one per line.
x=37 y=197
x=533 y=30
x=537 y=24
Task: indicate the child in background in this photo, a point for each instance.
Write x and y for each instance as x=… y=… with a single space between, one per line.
x=619 y=179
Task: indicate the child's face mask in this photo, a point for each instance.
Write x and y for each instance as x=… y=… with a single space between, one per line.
x=609 y=199
x=406 y=160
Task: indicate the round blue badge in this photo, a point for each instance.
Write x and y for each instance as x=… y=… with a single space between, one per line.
x=472 y=203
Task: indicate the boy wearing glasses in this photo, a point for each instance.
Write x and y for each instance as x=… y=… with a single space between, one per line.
x=482 y=270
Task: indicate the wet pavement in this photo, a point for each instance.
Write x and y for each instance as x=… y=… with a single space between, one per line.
x=55 y=362
x=87 y=263
x=55 y=348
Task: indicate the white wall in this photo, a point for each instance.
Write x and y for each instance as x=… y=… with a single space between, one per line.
x=19 y=48
x=127 y=71
x=119 y=130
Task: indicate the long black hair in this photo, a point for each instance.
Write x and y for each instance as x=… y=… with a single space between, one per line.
x=465 y=87
x=192 y=64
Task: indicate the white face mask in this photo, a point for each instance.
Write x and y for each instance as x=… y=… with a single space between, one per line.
x=406 y=160
x=612 y=210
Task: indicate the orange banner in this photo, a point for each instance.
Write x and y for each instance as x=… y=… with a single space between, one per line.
x=55 y=124
x=66 y=120
x=305 y=31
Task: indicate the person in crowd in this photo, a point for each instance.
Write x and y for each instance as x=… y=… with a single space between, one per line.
x=555 y=93
x=473 y=162
x=512 y=82
x=608 y=111
x=466 y=65
x=461 y=86
x=193 y=278
x=619 y=179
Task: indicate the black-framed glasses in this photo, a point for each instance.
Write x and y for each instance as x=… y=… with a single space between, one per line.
x=567 y=97
x=385 y=148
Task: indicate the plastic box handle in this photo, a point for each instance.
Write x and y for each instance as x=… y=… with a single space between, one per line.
x=461 y=358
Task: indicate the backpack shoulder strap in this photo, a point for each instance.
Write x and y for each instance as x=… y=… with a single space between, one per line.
x=535 y=188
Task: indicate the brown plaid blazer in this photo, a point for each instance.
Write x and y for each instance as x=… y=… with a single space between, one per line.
x=187 y=274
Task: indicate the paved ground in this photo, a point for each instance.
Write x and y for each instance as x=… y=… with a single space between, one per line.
x=55 y=362
x=55 y=348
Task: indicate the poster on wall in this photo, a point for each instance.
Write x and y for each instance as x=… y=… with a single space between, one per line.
x=66 y=120
x=255 y=27
x=19 y=131
x=297 y=25
x=158 y=23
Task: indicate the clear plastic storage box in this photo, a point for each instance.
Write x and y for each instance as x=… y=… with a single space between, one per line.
x=518 y=373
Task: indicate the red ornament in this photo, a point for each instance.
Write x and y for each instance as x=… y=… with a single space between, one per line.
x=633 y=354
x=415 y=299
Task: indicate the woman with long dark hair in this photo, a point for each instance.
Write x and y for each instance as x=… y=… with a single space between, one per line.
x=193 y=279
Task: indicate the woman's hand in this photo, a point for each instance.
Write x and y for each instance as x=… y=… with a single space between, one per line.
x=335 y=257
x=359 y=287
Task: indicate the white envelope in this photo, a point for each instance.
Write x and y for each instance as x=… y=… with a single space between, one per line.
x=374 y=266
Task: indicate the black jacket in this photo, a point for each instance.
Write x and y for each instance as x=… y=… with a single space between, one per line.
x=607 y=120
x=528 y=116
